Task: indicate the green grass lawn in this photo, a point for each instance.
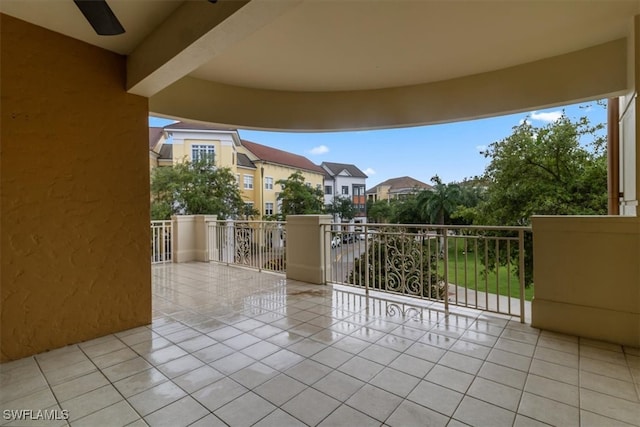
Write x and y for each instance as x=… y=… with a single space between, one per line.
x=506 y=281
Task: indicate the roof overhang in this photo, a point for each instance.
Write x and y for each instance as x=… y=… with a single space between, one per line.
x=325 y=65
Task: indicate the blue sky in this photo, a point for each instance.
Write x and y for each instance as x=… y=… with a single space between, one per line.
x=450 y=150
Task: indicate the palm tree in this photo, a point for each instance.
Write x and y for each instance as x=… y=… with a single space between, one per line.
x=437 y=204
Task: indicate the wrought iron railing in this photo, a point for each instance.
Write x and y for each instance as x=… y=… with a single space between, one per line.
x=478 y=267
x=161 y=241
x=256 y=244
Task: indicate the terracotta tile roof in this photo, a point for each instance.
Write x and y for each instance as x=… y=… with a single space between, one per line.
x=402 y=183
x=245 y=161
x=154 y=136
x=197 y=126
x=336 y=168
x=273 y=155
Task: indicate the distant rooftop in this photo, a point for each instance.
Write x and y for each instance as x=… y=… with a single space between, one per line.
x=337 y=168
x=273 y=155
x=401 y=184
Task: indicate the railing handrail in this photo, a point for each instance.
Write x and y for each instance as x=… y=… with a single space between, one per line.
x=440 y=226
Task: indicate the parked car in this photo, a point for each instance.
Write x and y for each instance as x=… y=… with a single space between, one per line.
x=336 y=241
x=349 y=238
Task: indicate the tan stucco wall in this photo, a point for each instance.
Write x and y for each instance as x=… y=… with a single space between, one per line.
x=308 y=248
x=75 y=193
x=587 y=277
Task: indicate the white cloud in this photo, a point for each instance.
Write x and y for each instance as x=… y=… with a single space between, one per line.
x=550 y=116
x=320 y=149
x=369 y=171
x=481 y=148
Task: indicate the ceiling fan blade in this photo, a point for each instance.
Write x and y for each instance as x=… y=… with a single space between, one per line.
x=100 y=16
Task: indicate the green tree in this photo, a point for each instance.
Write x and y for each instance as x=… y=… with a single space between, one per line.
x=558 y=169
x=194 y=188
x=343 y=207
x=298 y=197
x=437 y=205
x=380 y=211
x=548 y=170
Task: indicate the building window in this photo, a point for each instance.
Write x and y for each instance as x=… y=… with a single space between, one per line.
x=248 y=182
x=358 y=190
x=203 y=153
x=345 y=189
x=328 y=189
x=268 y=183
x=268 y=208
x=238 y=179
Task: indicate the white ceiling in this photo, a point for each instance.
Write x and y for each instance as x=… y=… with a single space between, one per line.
x=337 y=45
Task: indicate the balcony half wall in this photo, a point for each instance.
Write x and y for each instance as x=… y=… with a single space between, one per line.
x=587 y=277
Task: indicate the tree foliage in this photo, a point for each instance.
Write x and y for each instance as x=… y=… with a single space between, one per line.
x=342 y=207
x=545 y=171
x=193 y=188
x=298 y=197
x=557 y=169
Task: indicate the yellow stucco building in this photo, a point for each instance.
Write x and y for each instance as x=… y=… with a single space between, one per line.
x=257 y=167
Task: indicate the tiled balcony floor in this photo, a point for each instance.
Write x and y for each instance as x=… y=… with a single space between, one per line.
x=237 y=347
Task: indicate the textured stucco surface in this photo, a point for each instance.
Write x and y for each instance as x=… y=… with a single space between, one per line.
x=74 y=196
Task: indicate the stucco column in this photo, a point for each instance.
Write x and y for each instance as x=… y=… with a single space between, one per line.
x=307 y=248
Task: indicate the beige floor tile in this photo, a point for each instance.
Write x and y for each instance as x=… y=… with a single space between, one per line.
x=241 y=341
x=425 y=351
x=555 y=356
x=461 y=362
x=471 y=349
x=210 y=421
x=69 y=372
x=548 y=411
x=559 y=344
x=156 y=397
x=114 y=358
x=347 y=416
x=412 y=365
x=260 y=350
x=91 y=402
x=308 y=371
x=412 y=414
x=517 y=347
x=554 y=371
x=338 y=385
x=282 y=360
x=140 y=382
x=126 y=369
x=107 y=344
x=374 y=402
x=478 y=413
x=551 y=389
x=197 y=343
x=254 y=375
x=79 y=386
x=495 y=393
x=280 y=389
x=213 y=353
x=510 y=360
x=310 y=406
x=164 y=355
x=360 y=368
x=332 y=357
x=118 y=414
x=609 y=406
x=503 y=375
x=278 y=418
x=395 y=342
x=181 y=413
x=436 y=397
x=40 y=399
x=613 y=370
x=22 y=386
x=307 y=347
x=522 y=421
x=450 y=378
x=197 y=379
x=589 y=419
x=245 y=410
x=607 y=385
x=180 y=366
x=395 y=382
x=232 y=363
